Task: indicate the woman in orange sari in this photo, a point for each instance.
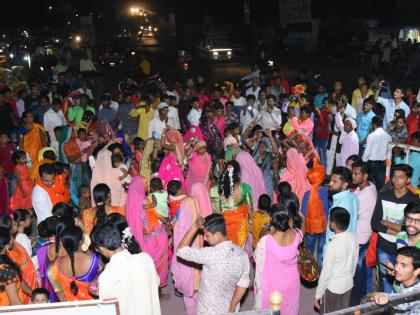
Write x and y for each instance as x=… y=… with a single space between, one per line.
x=98 y=215
x=235 y=203
x=10 y=274
x=34 y=138
x=72 y=274
x=46 y=155
x=20 y=257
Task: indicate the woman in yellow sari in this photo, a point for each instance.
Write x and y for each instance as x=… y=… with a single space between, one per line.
x=235 y=203
x=72 y=274
x=34 y=137
x=46 y=155
x=98 y=214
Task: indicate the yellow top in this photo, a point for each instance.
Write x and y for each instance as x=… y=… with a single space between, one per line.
x=259 y=219
x=145 y=67
x=144 y=119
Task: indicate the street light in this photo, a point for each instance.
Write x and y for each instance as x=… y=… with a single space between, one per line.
x=78 y=39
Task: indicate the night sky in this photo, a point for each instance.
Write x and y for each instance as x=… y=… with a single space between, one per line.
x=36 y=13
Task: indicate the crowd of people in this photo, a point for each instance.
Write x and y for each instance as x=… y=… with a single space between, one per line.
x=204 y=184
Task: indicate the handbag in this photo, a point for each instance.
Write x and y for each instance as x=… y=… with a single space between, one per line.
x=307 y=265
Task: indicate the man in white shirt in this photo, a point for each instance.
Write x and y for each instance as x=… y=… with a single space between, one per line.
x=114 y=105
x=54 y=117
x=157 y=125
x=376 y=152
x=392 y=104
x=238 y=101
x=270 y=118
x=173 y=117
x=137 y=292
x=254 y=89
x=41 y=200
x=340 y=260
x=84 y=89
x=249 y=113
x=367 y=194
x=195 y=113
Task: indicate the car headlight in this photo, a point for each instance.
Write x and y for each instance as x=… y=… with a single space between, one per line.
x=215 y=53
x=229 y=52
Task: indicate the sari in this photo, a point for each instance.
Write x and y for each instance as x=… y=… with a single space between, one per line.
x=252 y=175
x=20 y=256
x=89 y=217
x=144 y=224
x=104 y=173
x=71 y=148
x=186 y=275
x=213 y=138
x=198 y=167
x=295 y=173
x=17 y=201
x=236 y=218
x=265 y=163
x=32 y=142
x=146 y=163
x=276 y=270
x=43 y=264
x=61 y=283
x=173 y=164
x=8 y=276
x=315 y=221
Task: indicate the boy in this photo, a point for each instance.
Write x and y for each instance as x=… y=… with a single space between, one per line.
x=175 y=197
x=339 y=265
x=40 y=296
x=407 y=272
x=84 y=197
x=260 y=218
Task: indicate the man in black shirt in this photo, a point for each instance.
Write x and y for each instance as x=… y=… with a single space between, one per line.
x=32 y=100
x=388 y=217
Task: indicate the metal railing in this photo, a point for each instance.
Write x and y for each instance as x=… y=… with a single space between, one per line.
x=372 y=306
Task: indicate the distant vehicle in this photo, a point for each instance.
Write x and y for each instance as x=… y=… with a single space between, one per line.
x=215 y=48
x=111 y=59
x=147 y=30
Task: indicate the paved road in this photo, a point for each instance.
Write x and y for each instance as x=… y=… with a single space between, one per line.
x=175 y=305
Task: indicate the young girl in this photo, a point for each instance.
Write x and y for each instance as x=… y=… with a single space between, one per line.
x=138 y=144
x=23 y=219
x=117 y=162
x=85 y=198
x=22 y=196
x=159 y=199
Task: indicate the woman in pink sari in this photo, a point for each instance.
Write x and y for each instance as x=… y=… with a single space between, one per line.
x=295 y=173
x=252 y=175
x=104 y=173
x=151 y=236
x=186 y=275
x=199 y=166
x=173 y=163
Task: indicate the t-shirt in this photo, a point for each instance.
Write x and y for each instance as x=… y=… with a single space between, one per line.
x=390 y=208
x=402 y=240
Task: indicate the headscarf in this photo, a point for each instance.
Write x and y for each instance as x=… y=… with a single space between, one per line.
x=231 y=152
x=252 y=175
x=295 y=173
x=193 y=132
x=174 y=137
x=199 y=167
x=200 y=194
x=134 y=209
x=315 y=222
x=352 y=121
x=43 y=150
x=104 y=129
